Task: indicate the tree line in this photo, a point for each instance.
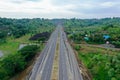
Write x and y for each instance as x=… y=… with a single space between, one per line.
x=20 y=27
x=94 y=30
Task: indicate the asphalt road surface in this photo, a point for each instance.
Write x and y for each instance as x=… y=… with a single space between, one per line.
x=68 y=66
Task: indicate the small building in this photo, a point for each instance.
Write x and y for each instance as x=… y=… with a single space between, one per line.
x=86 y=38
x=106 y=37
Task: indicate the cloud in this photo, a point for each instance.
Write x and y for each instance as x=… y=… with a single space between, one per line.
x=59 y=8
x=110 y=4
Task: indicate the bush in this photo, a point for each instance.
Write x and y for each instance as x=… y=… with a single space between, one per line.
x=28 y=52
x=116 y=43
x=10 y=65
x=3 y=74
x=14 y=63
x=2 y=41
x=77 y=47
x=102 y=67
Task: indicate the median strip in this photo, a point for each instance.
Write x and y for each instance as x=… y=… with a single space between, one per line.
x=55 y=67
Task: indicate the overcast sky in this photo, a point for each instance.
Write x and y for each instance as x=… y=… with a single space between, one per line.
x=59 y=8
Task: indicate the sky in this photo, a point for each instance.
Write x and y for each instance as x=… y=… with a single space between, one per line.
x=59 y=8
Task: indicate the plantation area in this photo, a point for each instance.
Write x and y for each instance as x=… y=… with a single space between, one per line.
x=15 y=45
x=87 y=36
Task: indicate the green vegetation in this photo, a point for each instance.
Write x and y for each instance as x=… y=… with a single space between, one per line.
x=19 y=27
x=86 y=34
x=9 y=47
x=28 y=52
x=13 y=33
x=14 y=63
x=103 y=64
x=77 y=47
x=102 y=67
x=94 y=30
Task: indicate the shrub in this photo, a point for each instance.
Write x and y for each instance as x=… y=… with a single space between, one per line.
x=14 y=63
x=10 y=65
x=77 y=47
x=102 y=67
x=116 y=43
x=28 y=52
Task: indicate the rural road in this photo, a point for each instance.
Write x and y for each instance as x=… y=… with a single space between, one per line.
x=68 y=68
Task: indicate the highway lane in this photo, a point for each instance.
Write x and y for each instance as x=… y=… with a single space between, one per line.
x=43 y=66
x=62 y=61
x=68 y=66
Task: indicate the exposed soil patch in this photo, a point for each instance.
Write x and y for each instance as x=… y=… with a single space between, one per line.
x=85 y=48
x=40 y=35
x=108 y=45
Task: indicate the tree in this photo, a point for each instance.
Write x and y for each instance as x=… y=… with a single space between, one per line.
x=28 y=52
x=12 y=64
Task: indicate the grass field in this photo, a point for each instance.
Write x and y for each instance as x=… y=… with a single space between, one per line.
x=12 y=45
x=93 y=49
